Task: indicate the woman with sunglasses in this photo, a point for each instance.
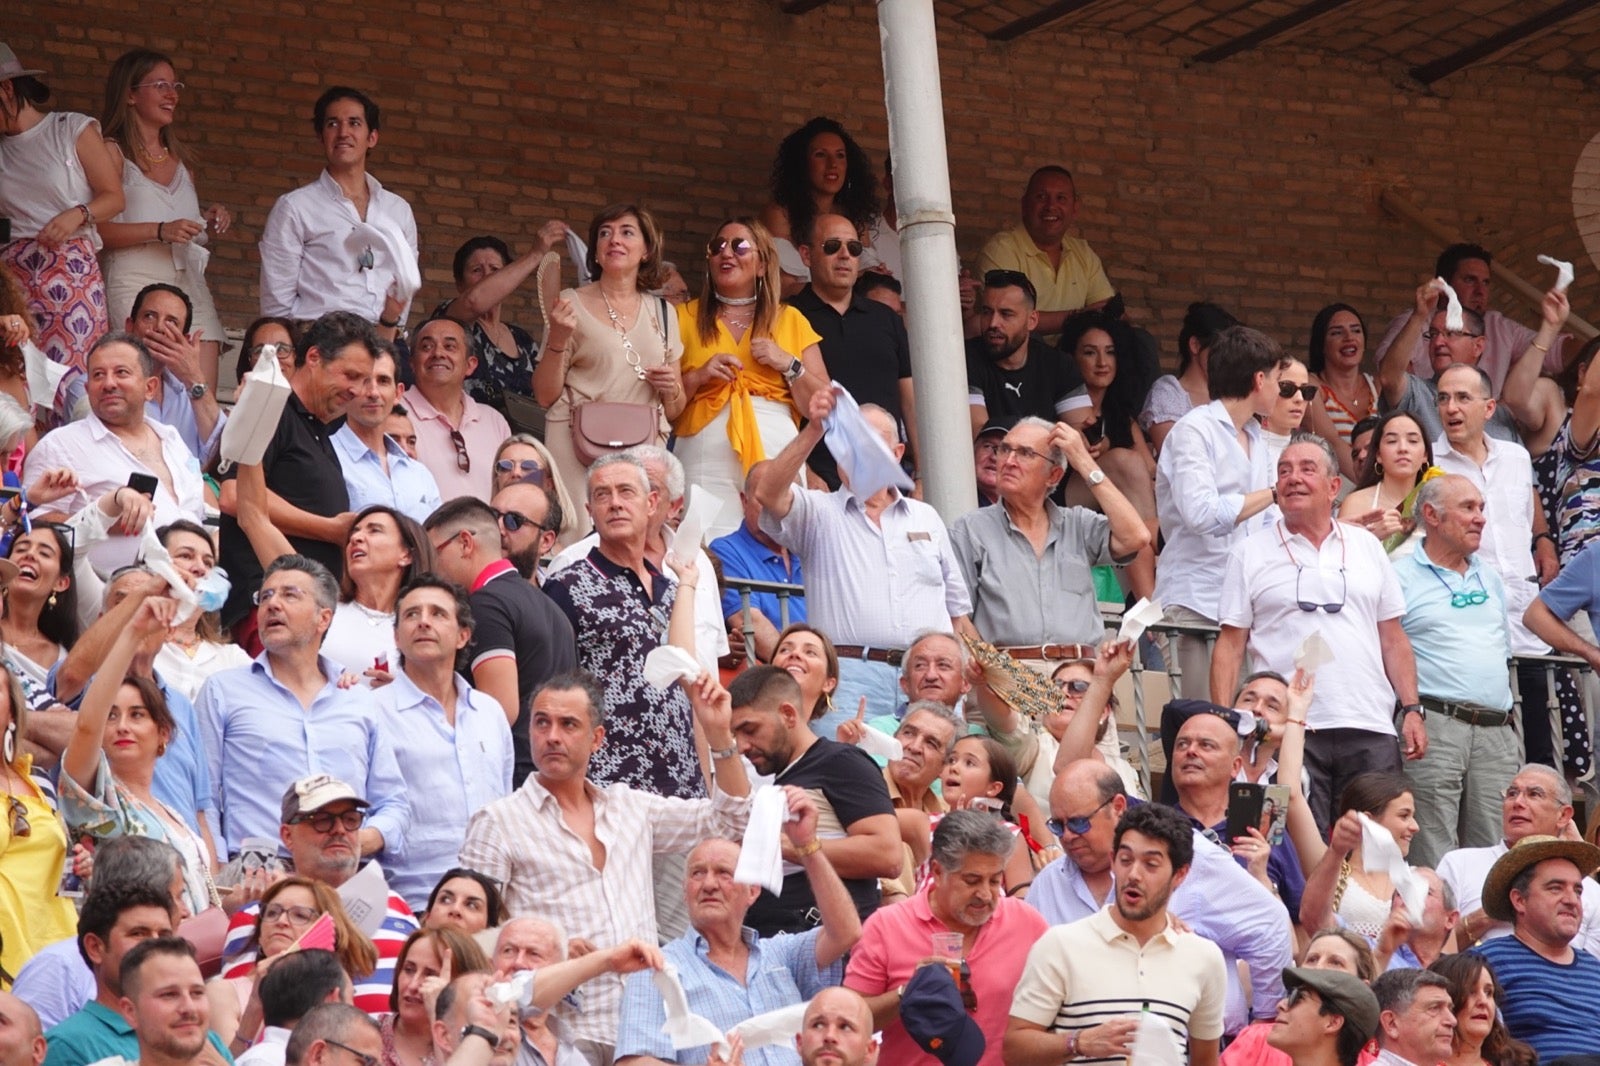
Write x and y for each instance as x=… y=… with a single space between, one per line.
x=819 y=170
x=750 y=367
x=1295 y=393
x=33 y=841
x=289 y=908
x=1399 y=459
x=609 y=340
x=1335 y=353
x=275 y=335
x=522 y=455
x=122 y=727
x=160 y=235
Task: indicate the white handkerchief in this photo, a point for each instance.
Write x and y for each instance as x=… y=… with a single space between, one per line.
x=1452 y=307
x=877 y=742
x=1379 y=853
x=761 y=853
x=578 y=252
x=1153 y=1043
x=1138 y=618
x=390 y=253
x=699 y=512
x=158 y=562
x=667 y=664
x=516 y=990
x=253 y=422
x=366 y=897
x=1313 y=653
x=192 y=257
x=863 y=457
x=789 y=260
x=43 y=376
x=779 y=1027
x=1563 y=271
x=685 y=1028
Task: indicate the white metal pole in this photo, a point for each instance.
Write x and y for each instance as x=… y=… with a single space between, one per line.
x=928 y=251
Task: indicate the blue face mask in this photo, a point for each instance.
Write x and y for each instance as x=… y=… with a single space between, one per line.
x=212 y=590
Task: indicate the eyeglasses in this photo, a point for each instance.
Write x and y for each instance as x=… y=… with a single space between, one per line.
x=832 y=245
x=527 y=469
x=1024 y=453
x=288 y=594
x=296 y=915
x=515 y=520
x=1287 y=389
x=988 y=445
x=463 y=459
x=1299 y=572
x=1075 y=685
x=162 y=86
x=741 y=246
x=271 y=348
x=19 y=817
x=1448 y=334
x=365 y=1060
x=1078 y=824
x=1465 y=597
x=443 y=544
x=1532 y=795
x=322 y=821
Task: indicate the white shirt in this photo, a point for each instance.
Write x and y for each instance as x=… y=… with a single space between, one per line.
x=186 y=673
x=1272 y=569
x=1201 y=481
x=1466 y=869
x=357 y=636
x=1506 y=482
x=306 y=271
x=710 y=632
x=103 y=463
x=270 y=1050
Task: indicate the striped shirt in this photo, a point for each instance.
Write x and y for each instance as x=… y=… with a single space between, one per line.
x=1547 y=1004
x=372 y=991
x=523 y=843
x=1090 y=972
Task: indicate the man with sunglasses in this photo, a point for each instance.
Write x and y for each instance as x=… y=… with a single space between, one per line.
x=378 y=470
x=1456 y=620
x=321 y=819
x=1011 y=372
x=863 y=342
x=456 y=435
x=1307 y=574
x=530 y=521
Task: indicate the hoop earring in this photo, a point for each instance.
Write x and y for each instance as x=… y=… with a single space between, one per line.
x=1377 y=467
x=10 y=744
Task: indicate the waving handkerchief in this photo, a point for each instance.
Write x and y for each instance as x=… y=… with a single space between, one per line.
x=863 y=457
x=1452 y=307
x=158 y=562
x=779 y=1027
x=699 y=513
x=1379 y=853
x=1138 y=618
x=1563 y=271
x=877 y=742
x=683 y=1027
x=667 y=664
x=761 y=853
x=43 y=376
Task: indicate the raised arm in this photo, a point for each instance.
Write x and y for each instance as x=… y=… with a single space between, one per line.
x=841 y=924
x=1518 y=391
x=1077 y=741
x=491 y=290
x=1396 y=361
x=82 y=756
x=1129 y=534
x=775 y=490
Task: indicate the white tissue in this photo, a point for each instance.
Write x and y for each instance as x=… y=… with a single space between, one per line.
x=1138 y=618
x=667 y=664
x=578 y=252
x=514 y=991
x=877 y=742
x=1563 y=271
x=699 y=512
x=158 y=562
x=761 y=852
x=1380 y=854
x=44 y=376
x=685 y=1028
x=775 y=1027
x=1312 y=653
x=192 y=257
x=1452 y=308
x=1153 y=1043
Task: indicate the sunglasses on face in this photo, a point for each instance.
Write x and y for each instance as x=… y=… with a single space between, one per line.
x=741 y=246
x=527 y=469
x=832 y=245
x=515 y=520
x=1287 y=389
x=1078 y=824
x=1075 y=685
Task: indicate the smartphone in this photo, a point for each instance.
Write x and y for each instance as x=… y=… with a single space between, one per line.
x=1245 y=801
x=145 y=484
x=1093 y=431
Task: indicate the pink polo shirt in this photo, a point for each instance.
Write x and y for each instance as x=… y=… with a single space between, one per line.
x=482 y=428
x=897 y=937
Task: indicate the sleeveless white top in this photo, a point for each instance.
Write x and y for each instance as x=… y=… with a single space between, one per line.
x=41 y=175
x=150 y=201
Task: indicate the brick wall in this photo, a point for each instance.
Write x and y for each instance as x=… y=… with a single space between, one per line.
x=1252 y=183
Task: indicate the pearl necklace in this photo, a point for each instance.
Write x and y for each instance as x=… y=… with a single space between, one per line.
x=737 y=301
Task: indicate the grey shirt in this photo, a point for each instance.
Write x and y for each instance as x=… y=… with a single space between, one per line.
x=1019 y=598
x=1421 y=401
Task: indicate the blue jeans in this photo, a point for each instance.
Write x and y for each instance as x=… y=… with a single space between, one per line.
x=878 y=682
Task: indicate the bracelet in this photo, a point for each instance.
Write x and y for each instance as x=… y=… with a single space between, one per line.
x=88 y=215
x=1540 y=347
x=1072 y=1047
x=811 y=848
x=386 y=324
x=1296 y=721
x=159 y=238
x=1543 y=535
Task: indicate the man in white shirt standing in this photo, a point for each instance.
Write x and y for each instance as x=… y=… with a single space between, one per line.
x=1214 y=475
x=1308 y=574
x=306 y=268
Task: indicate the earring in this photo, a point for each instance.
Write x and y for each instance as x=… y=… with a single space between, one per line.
x=10 y=750
x=52 y=601
x=161 y=748
x=1377 y=467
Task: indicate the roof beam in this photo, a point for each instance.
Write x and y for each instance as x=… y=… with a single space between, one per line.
x=1028 y=23
x=799 y=7
x=1506 y=39
x=1268 y=30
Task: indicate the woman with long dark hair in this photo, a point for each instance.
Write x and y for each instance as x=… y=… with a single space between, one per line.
x=1174 y=395
x=1334 y=355
x=819 y=170
x=1481 y=1038
x=1382 y=501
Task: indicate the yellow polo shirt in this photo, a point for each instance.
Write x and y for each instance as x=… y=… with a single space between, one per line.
x=1079 y=281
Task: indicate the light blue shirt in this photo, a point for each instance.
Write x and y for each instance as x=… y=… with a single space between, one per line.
x=259 y=741
x=55 y=982
x=457 y=769
x=782 y=971
x=1461 y=651
x=1220 y=901
x=408 y=487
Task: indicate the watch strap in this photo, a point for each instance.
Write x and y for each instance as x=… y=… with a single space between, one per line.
x=478 y=1030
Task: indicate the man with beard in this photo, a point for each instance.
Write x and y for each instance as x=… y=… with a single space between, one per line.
x=164 y=1001
x=530 y=519
x=378 y=470
x=837 y=1028
x=1085 y=984
x=857 y=825
x=1011 y=373
x=967 y=896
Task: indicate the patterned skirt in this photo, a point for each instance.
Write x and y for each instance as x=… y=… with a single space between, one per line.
x=66 y=295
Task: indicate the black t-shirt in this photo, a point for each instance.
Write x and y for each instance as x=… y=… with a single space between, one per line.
x=302 y=467
x=845 y=778
x=865 y=350
x=1034 y=388
x=511 y=614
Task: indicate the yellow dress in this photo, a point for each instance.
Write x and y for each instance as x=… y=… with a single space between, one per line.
x=31 y=914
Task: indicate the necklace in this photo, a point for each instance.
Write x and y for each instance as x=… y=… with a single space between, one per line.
x=627 y=345
x=737 y=301
x=151 y=157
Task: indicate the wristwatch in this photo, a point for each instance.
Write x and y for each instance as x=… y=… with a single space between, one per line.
x=478 y=1030
x=725 y=753
x=1410 y=708
x=197 y=390
x=1095 y=477
x=796 y=368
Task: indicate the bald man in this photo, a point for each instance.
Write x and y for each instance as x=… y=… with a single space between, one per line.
x=21 y=1038
x=838 y=1027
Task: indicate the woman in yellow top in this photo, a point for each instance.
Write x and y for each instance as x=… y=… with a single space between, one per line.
x=33 y=843
x=750 y=366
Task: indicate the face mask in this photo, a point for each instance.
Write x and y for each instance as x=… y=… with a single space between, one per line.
x=211 y=592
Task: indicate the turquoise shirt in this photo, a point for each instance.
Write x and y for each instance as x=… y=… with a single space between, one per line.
x=97 y=1032
x=1461 y=651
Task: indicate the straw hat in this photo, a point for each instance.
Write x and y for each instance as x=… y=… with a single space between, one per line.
x=1530 y=851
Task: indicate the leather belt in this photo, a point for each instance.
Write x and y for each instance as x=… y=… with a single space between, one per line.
x=892 y=656
x=1052 y=651
x=1470 y=713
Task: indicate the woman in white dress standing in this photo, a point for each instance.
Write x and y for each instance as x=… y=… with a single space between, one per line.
x=161 y=233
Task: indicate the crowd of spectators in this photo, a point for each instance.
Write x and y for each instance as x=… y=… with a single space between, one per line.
x=434 y=735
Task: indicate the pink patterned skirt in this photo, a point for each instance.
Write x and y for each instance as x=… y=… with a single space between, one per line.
x=66 y=295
